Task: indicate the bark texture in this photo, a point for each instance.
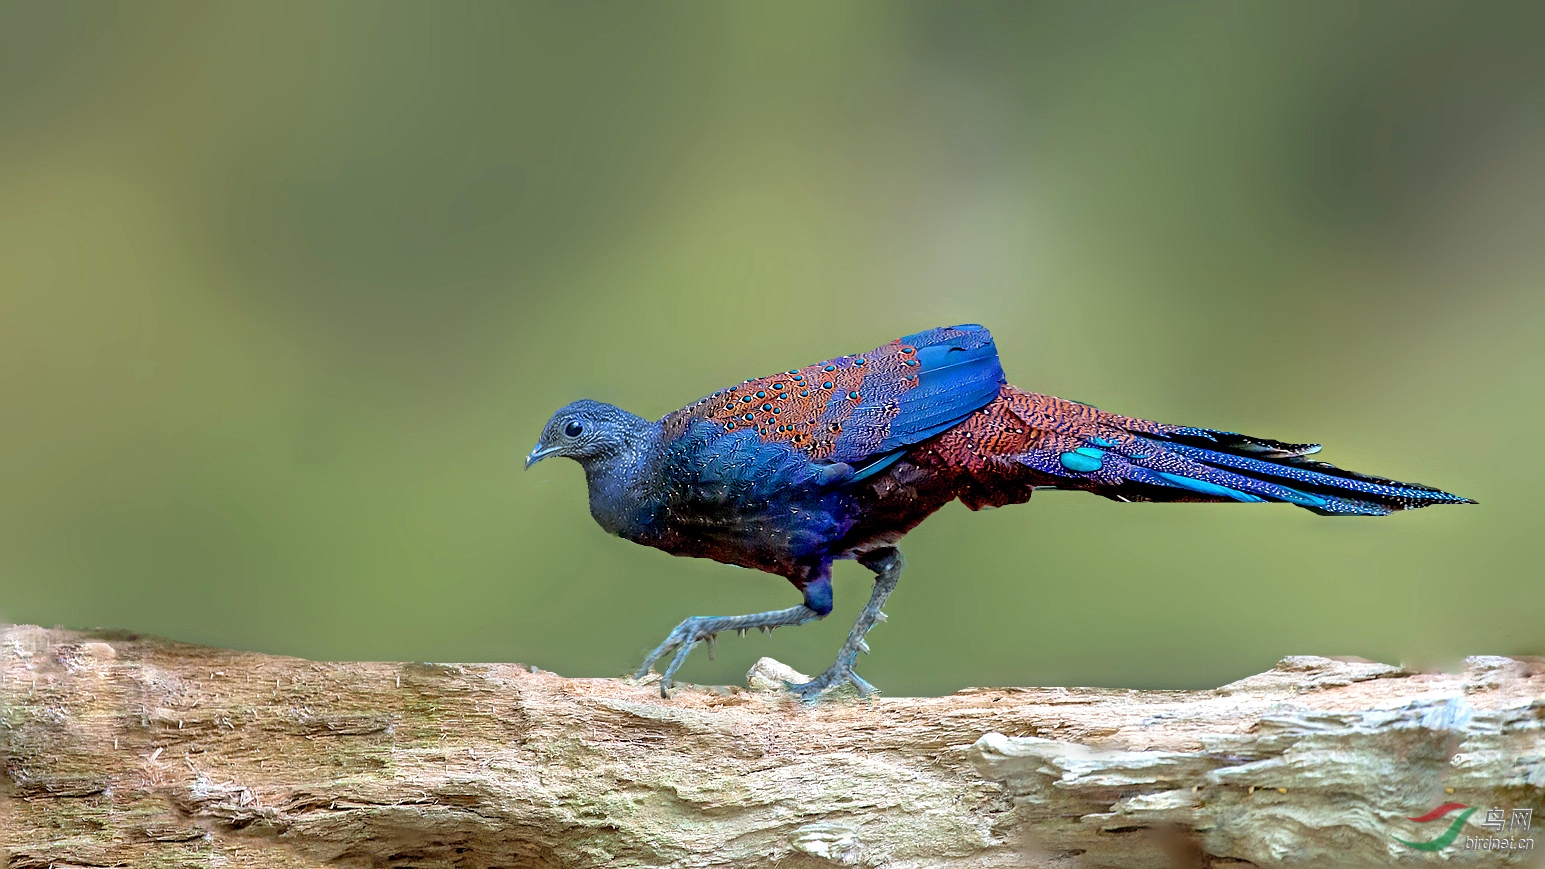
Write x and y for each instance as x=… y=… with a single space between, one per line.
x=121 y=750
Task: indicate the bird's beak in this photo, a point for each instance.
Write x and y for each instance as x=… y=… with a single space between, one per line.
x=537 y=454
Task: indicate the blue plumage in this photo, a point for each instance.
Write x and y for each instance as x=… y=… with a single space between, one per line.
x=952 y=373
x=1224 y=473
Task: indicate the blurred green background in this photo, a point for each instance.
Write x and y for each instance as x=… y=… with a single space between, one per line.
x=288 y=290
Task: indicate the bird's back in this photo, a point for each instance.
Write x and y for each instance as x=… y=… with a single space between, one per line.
x=854 y=408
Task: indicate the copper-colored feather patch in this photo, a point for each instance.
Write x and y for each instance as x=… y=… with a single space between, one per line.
x=811 y=408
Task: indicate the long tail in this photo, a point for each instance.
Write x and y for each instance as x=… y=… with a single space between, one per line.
x=1025 y=441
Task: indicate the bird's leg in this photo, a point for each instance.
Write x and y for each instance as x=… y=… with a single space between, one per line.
x=886 y=564
x=702 y=629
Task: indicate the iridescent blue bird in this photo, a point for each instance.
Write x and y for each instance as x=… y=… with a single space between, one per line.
x=790 y=472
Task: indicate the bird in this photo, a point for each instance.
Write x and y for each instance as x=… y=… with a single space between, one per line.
x=791 y=472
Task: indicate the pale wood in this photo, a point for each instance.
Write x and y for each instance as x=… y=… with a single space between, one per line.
x=134 y=751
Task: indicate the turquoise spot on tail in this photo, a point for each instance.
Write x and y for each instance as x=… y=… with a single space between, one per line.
x=1083 y=460
x=1207 y=488
x=1101 y=442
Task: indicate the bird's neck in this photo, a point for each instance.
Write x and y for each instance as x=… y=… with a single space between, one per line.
x=621 y=482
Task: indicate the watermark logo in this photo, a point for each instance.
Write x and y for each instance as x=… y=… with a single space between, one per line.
x=1496 y=820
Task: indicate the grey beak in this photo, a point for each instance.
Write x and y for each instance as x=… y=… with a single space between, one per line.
x=538 y=454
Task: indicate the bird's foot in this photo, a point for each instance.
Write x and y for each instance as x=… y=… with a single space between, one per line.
x=703 y=629
x=836 y=676
x=698 y=629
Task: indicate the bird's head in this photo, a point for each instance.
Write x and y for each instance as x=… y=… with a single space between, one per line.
x=587 y=431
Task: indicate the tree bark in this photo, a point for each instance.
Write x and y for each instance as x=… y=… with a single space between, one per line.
x=122 y=750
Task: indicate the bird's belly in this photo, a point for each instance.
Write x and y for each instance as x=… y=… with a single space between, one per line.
x=774 y=537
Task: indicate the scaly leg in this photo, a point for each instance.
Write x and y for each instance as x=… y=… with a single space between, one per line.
x=886 y=564
x=702 y=629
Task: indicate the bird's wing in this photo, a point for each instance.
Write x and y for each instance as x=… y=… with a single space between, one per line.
x=861 y=410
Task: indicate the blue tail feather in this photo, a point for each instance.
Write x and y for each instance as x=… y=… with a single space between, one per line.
x=1318 y=474
x=1251 y=469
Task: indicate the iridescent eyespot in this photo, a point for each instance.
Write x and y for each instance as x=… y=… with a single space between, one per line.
x=573 y=429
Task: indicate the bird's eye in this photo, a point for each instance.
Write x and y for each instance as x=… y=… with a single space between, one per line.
x=573 y=429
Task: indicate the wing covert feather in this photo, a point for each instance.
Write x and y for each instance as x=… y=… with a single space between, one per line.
x=857 y=407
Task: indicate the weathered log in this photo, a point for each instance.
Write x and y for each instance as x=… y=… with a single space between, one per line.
x=122 y=750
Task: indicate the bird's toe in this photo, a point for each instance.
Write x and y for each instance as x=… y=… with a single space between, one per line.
x=681 y=641
x=834 y=678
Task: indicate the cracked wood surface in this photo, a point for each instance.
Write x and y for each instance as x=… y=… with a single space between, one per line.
x=122 y=750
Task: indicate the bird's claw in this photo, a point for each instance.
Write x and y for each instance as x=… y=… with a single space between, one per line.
x=686 y=635
x=834 y=677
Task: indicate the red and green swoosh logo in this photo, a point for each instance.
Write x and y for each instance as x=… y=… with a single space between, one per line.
x=1448 y=836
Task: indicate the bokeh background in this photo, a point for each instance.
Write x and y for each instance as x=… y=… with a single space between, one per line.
x=288 y=290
